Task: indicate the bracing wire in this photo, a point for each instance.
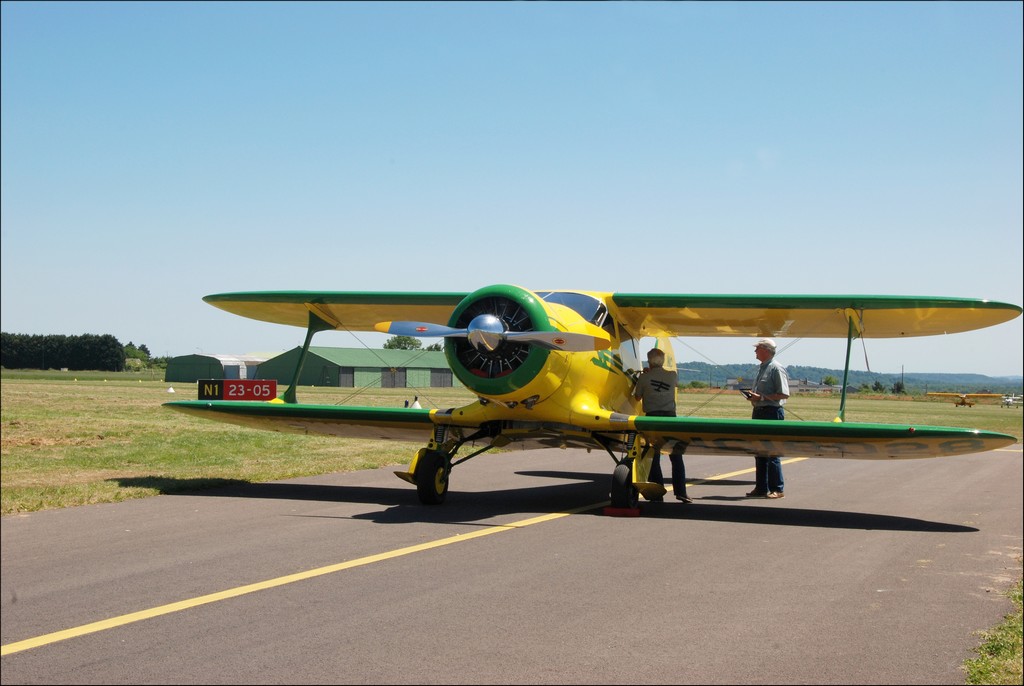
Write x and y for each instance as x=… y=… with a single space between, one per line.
x=421 y=393
x=718 y=365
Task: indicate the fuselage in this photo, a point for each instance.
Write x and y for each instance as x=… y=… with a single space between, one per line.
x=582 y=389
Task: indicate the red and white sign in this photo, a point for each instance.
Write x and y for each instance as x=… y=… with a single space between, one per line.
x=237 y=389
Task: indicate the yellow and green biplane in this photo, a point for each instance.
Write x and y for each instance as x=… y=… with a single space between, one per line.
x=556 y=369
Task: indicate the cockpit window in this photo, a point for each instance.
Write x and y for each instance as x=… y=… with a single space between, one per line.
x=588 y=307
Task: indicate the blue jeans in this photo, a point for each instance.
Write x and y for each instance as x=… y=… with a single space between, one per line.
x=768 y=470
x=675 y=457
x=678 y=472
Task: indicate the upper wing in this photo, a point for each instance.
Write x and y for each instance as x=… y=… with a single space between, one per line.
x=818 y=439
x=352 y=310
x=786 y=316
x=805 y=316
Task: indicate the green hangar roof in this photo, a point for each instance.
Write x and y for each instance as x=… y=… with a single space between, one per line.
x=361 y=367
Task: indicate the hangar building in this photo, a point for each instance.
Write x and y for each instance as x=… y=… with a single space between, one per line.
x=362 y=368
x=191 y=368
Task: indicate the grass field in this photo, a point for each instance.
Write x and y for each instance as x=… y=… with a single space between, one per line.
x=72 y=438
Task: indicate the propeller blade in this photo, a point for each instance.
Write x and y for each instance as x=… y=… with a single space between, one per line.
x=418 y=329
x=560 y=340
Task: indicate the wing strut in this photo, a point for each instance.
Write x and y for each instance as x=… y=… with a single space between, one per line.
x=852 y=320
x=316 y=324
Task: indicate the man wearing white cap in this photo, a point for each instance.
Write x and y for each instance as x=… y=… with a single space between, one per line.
x=768 y=395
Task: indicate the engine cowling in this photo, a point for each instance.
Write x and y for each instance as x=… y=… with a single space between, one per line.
x=491 y=365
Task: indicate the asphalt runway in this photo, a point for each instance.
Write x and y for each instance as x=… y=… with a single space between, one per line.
x=866 y=573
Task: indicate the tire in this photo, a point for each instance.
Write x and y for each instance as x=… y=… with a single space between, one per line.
x=432 y=478
x=623 y=494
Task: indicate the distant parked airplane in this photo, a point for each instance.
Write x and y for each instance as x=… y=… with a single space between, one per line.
x=1011 y=401
x=964 y=399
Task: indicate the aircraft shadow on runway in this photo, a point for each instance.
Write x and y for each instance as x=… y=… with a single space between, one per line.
x=579 y=490
x=576 y=490
x=702 y=510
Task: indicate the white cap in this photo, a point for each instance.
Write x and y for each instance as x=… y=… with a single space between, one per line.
x=766 y=343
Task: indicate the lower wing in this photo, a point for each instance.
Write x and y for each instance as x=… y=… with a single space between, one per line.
x=397 y=423
x=818 y=439
x=701 y=436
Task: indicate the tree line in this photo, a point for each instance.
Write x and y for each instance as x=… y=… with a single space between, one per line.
x=101 y=352
x=105 y=353
x=694 y=374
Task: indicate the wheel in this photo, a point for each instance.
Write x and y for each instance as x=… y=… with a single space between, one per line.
x=432 y=478
x=623 y=493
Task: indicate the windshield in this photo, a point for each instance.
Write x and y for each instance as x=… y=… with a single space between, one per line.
x=588 y=307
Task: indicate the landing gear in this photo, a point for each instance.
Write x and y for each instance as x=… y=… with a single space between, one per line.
x=624 y=494
x=432 y=469
x=433 y=464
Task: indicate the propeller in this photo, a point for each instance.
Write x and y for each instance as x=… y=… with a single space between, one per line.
x=486 y=333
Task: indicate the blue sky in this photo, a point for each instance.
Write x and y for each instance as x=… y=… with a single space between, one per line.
x=154 y=153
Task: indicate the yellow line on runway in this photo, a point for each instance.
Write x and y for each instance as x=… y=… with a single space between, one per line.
x=130 y=618
x=719 y=477
x=122 y=620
